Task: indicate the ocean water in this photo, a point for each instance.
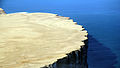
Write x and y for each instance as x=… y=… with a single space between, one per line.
x=101 y=18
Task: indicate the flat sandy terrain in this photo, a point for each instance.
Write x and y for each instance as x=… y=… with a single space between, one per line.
x=33 y=40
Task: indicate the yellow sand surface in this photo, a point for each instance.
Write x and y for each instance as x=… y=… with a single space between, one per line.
x=33 y=40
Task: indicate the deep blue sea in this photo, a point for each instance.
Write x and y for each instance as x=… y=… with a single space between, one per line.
x=101 y=18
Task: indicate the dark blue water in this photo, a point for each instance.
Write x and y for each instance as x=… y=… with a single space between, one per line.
x=100 y=17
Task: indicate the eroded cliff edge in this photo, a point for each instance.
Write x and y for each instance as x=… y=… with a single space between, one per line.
x=75 y=59
x=34 y=40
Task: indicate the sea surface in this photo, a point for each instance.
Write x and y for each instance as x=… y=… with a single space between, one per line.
x=101 y=18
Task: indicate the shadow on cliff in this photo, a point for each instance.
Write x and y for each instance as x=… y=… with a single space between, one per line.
x=75 y=59
x=99 y=56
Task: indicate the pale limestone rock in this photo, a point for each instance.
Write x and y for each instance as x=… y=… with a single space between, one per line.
x=2 y=11
x=33 y=40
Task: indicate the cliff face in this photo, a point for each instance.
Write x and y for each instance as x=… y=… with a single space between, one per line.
x=75 y=59
x=34 y=40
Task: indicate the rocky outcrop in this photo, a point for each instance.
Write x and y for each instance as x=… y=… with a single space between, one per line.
x=2 y=11
x=34 y=40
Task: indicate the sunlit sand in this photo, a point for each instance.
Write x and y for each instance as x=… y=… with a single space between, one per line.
x=33 y=40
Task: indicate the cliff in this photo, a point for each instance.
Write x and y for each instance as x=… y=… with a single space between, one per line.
x=34 y=40
x=74 y=59
x=2 y=11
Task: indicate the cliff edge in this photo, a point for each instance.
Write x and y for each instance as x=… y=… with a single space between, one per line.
x=34 y=40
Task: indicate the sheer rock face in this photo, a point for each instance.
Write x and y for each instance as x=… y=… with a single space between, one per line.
x=33 y=40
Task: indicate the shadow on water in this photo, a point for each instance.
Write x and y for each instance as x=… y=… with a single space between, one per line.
x=99 y=56
x=92 y=55
x=1 y=3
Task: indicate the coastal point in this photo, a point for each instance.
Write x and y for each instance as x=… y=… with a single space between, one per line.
x=34 y=40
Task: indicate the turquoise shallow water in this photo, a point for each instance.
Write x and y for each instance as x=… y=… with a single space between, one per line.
x=100 y=17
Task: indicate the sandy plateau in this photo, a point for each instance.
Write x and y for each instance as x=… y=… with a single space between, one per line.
x=33 y=40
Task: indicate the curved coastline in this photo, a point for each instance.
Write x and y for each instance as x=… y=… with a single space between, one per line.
x=54 y=38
